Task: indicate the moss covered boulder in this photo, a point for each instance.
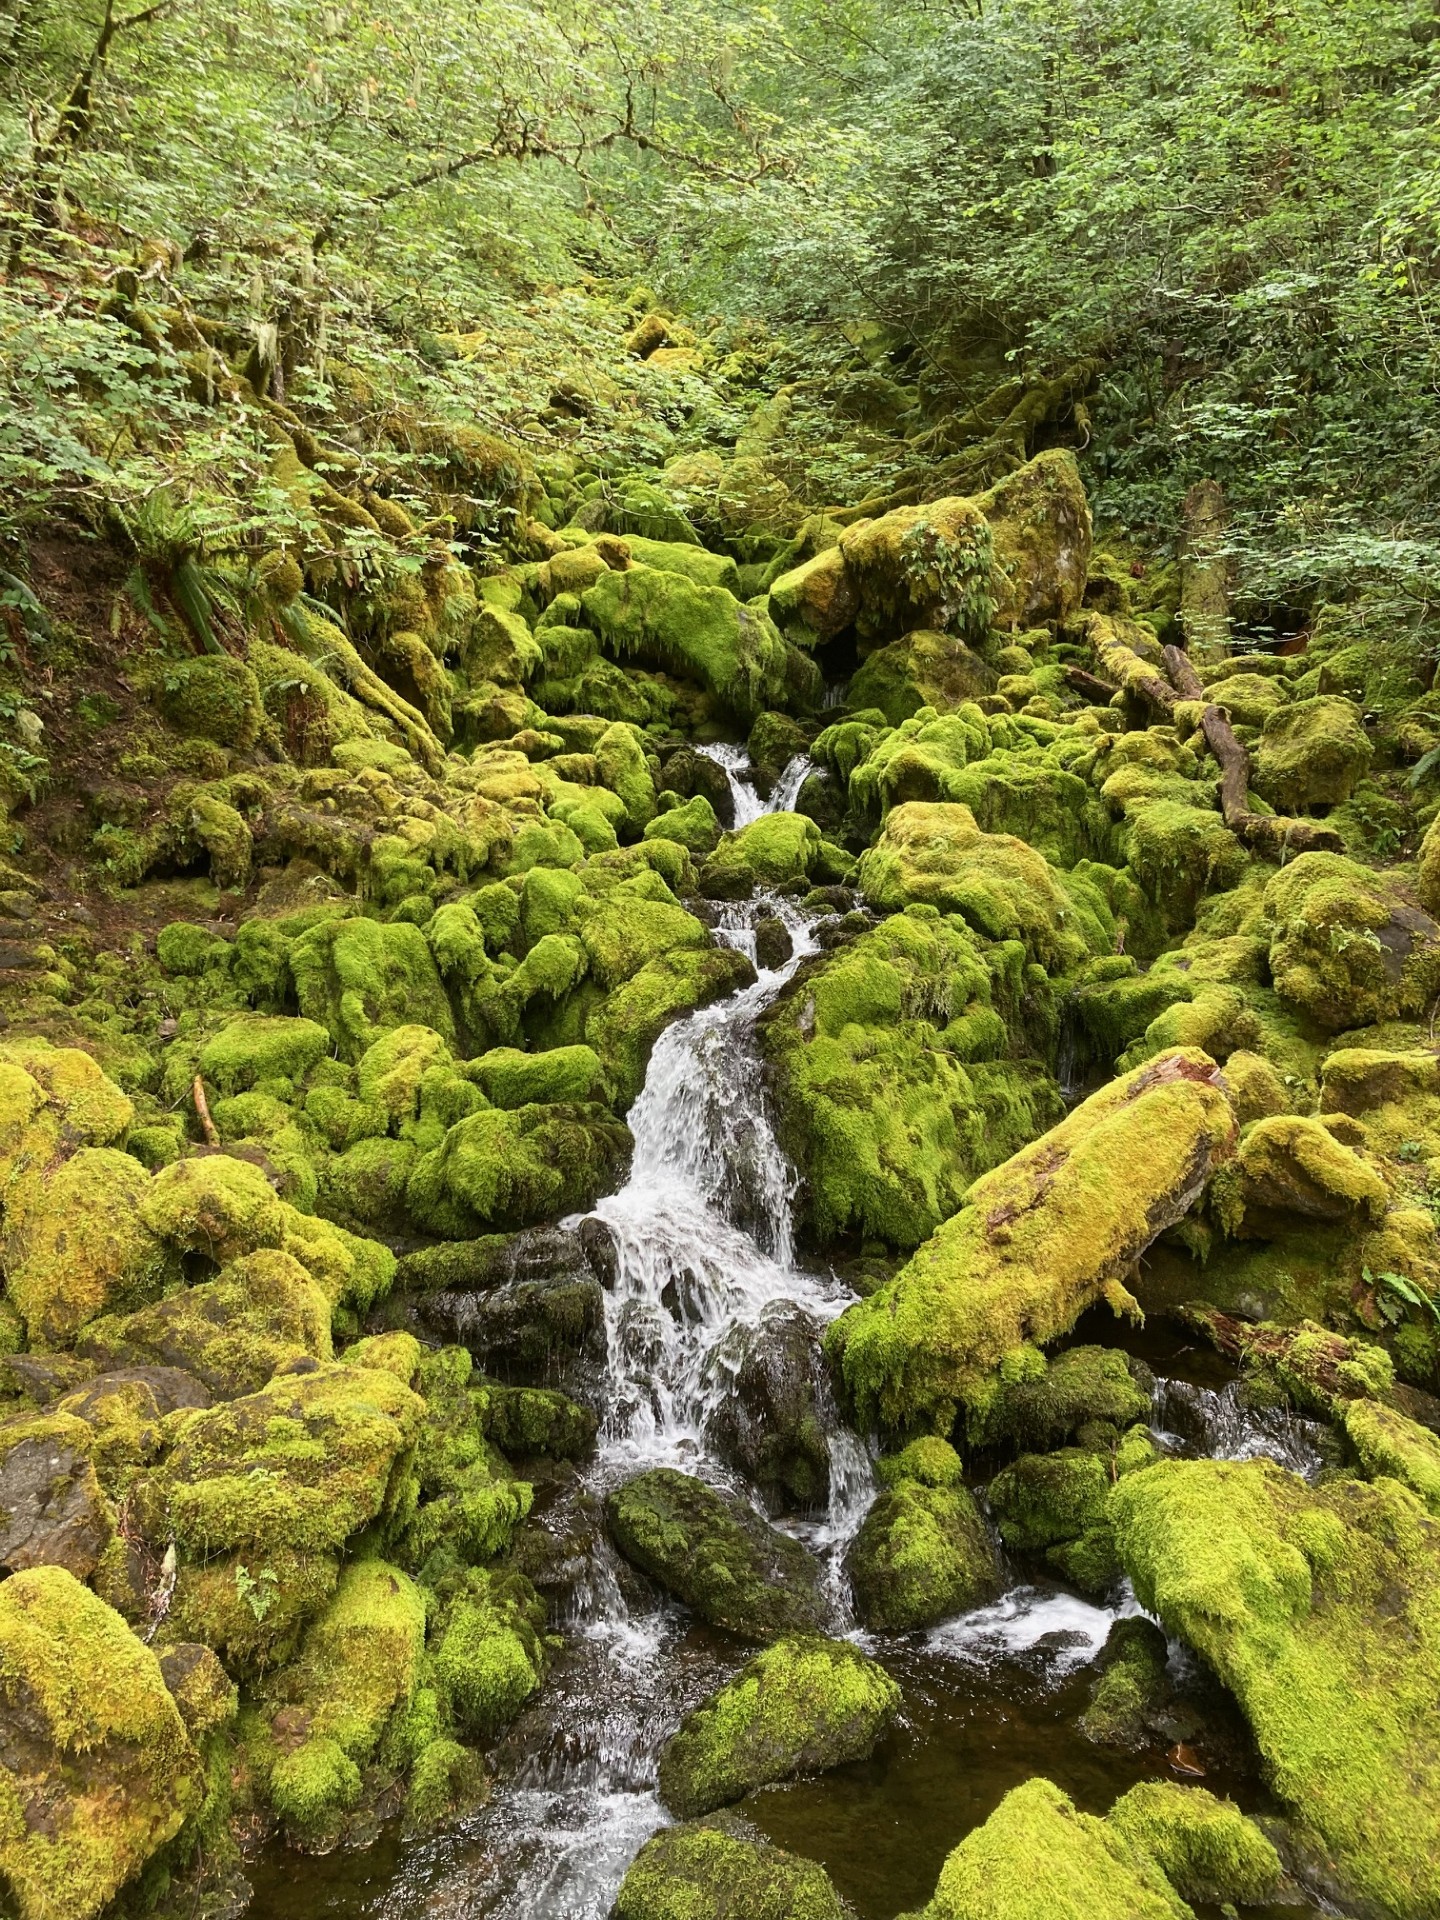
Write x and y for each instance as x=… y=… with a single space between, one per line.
x=935 y=854
x=923 y=669
x=801 y=1706
x=1319 y=1608
x=97 y=1771
x=1208 y=1850
x=712 y=1870
x=893 y=1079
x=1058 y=1503
x=1312 y=753
x=1038 y=1858
x=233 y=1333
x=1048 y=1234
x=921 y=1554
x=505 y=1168
x=714 y=1552
x=1346 y=945
x=1048 y=1403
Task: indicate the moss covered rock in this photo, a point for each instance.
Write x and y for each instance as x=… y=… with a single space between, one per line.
x=714 y=1552
x=97 y=1771
x=233 y=1333
x=921 y=1553
x=1049 y=1233
x=707 y=1871
x=1047 y=1404
x=1038 y=1858
x=801 y=1706
x=1346 y=946
x=1206 y=1847
x=1312 y=753
x=502 y=1168
x=891 y=1081
x=1317 y=1607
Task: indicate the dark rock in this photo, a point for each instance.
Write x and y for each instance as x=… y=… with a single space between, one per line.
x=714 y=1552
x=773 y=945
x=52 y=1512
x=688 y=772
x=43 y=1377
x=768 y=1426
x=529 y=1332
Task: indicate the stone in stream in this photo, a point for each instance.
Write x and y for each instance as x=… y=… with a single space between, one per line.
x=768 y=1426
x=714 y=1552
x=922 y=1552
x=712 y=1870
x=1319 y=1607
x=529 y=1306
x=1039 y=1858
x=801 y=1706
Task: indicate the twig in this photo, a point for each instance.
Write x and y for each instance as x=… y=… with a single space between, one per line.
x=202 y=1109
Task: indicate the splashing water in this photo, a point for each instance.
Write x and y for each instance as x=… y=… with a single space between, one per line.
x=1216 y=1424
x=734 y=763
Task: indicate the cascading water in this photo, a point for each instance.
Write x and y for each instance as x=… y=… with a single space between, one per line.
x=705 y=1262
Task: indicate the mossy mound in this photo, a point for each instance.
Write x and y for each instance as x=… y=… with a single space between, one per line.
x=892 y=1077
x=921 y=1553
x=708 y=1871
x=801 y=1706
x=97 y=1771
x=1317 y=1607
x=1047 y=1404
x=714 y=1552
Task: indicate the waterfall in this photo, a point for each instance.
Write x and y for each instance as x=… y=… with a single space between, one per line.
x=705 y=1259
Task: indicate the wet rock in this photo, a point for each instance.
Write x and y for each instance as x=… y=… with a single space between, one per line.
x=922 y=1553
x=202 y=1690
x=52 y=1512
x=97 y=1771
x=773 y=945
x=534 y=1420
x=1058 y=1504
x=712 y=1870
x=529 y=1332
x=801 y=1706
x=767 y=1426
x=1132 y=1697
x=714 y=1552
x=689 y=772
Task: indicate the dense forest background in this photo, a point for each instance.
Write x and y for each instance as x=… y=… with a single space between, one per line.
x=1215 y=224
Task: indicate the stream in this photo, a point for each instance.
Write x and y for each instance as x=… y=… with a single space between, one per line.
x=707 y=1266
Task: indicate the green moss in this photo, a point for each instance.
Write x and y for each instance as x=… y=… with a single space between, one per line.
x=921 y=1554
x=1205 y=1847
x=509 y=1168
x=1388 y=1443
x=1130 y=1696
x=1059 y=1501
x=799 y=1707
x=75 y=1245
x=715 y=1553
x=921 y=670
x=490 y=1656
x=1037 y=1858
x=358 y=977
x=1047 y=1234
x=937 y=855
x=701 y=1871
x=534 y=1420
x=1082 y=1384
x=302 y=1464
x=189 y=951
x=1179 y=853
x=888 y=1100
x=1317 y=1607
x=691 y=823
x=771 y=852
x=216 y=697
x=99 y=1772
x=447 y=1780
x=931 y=1461
x=624 y=1026
x=359 y=1664
x=662 y=620
x=1346 y=948
x=1312 y=753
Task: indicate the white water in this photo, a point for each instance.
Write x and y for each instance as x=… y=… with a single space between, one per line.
x=734 y=762
x=1216 y=1424
x=1062 y=1630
